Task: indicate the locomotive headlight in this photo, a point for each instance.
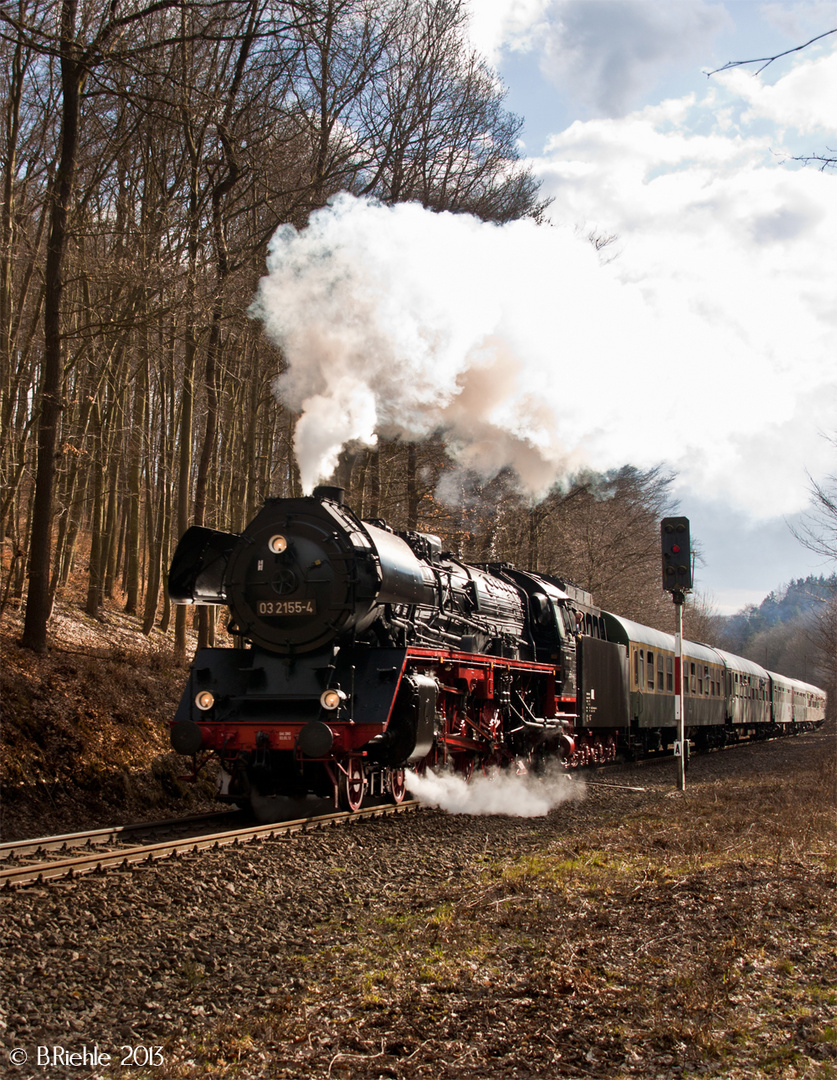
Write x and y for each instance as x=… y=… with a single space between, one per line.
x=330 y=699
x=205 y=700
x=277 y=544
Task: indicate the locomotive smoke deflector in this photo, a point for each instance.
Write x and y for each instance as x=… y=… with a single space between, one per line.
x=196 y=575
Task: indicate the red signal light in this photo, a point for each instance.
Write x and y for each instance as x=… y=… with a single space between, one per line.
x=677 y=569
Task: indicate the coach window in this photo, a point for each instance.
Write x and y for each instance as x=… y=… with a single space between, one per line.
x=660 y=683
x=692 y=680
x=706 y=680
x=699 y=681
x=670 y=674
x=641 y=680
x=650 y=670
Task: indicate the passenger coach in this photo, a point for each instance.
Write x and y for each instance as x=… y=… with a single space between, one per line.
x=726 y=697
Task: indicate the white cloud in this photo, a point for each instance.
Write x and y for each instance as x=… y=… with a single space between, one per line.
x=803 y=99
x=801 y=20
x=496 y=25
x=605 y=54
x=731 y=253
x=608 y=54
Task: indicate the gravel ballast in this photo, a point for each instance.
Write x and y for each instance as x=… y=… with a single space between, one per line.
x=627 y=933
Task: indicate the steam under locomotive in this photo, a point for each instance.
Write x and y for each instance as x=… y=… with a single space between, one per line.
x=360 y=650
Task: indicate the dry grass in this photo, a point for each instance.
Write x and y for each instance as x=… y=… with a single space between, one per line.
x=690 y=935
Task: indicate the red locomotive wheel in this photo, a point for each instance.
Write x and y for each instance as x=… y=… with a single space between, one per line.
x=351 y=786
x=398 y=785
x=463 y=765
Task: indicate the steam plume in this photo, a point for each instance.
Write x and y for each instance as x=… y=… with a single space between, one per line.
x=498 y=793
x=399 y=321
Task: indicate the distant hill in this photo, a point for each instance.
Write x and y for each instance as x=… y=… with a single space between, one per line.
x=781 y=632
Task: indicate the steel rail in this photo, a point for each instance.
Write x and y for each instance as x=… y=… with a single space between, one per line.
x=36 y=873
x=11 y=849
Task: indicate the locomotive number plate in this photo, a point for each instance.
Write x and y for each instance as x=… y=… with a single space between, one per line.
x=287 y=607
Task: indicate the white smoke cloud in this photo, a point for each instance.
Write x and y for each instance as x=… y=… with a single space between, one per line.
x=526 y=349
x=500 y=792
x=396 y=320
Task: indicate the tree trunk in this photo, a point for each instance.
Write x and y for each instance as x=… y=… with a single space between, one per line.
x=38 y=606
x=136 y=439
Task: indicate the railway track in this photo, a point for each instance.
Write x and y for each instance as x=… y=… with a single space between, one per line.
x=52 y=858
x=22 y=862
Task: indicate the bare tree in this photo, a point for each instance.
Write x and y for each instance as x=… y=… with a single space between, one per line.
x=437 y=126
x=766 y=61
x=59 y=32
x=818 y=532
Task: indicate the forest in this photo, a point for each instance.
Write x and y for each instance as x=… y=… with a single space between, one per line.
x=148 y=153
x=790 y=631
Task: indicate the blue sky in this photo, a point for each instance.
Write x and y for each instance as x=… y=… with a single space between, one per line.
x=725 y=244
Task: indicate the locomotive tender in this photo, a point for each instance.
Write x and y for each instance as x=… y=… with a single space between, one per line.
x=360 y=651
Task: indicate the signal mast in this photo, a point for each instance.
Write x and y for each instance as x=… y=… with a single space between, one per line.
x=677 y=579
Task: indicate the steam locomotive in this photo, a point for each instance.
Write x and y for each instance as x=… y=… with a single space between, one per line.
x=360 y=651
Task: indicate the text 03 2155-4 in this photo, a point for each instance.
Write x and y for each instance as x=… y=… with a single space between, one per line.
x=287 y=607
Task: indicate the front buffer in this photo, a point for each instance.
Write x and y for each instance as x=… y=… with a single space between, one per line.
x=324 y=724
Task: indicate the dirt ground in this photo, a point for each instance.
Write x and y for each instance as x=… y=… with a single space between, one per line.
x=635 y=932
x=84 y=733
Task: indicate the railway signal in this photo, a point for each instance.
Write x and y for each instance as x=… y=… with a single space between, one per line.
x=677 y=554
x=677 y=579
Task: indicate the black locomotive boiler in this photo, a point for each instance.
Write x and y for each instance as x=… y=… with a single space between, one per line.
x=359 y=651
